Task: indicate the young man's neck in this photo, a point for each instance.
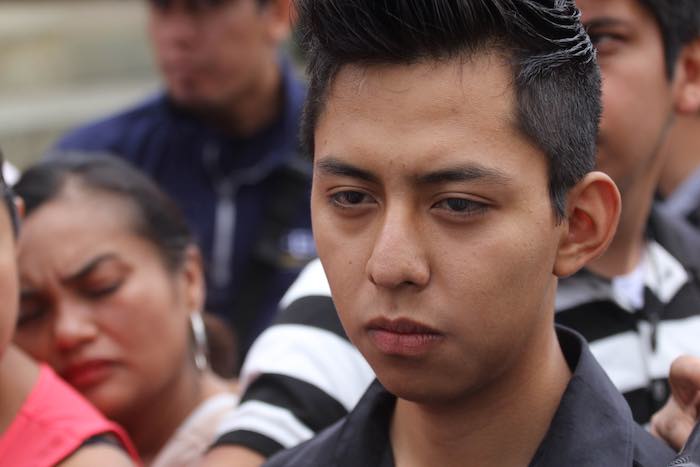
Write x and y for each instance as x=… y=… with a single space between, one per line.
x=683 y=153
x=255 y=108
x=627 y=247
x=499 y=425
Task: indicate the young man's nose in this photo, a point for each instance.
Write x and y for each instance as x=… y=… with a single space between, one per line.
x=398 y=256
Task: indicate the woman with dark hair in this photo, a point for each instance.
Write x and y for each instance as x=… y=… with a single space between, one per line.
x=112 y=294
x=43 y=421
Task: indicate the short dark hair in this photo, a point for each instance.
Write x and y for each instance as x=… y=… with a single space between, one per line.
x=156 y=217
x=557 y=81
x=679 y=22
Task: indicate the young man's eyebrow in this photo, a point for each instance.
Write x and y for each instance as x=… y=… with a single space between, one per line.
x=88 y=268
x=602 y=22
x=333 y=166
x=464 y=174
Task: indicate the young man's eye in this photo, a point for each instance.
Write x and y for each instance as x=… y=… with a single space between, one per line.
x=461 y=206
x=605 y=41
x=349 y=199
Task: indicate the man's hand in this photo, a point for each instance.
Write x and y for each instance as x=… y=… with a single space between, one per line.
x=674 y=422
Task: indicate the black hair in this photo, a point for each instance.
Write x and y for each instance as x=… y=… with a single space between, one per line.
x=156 y=217
x=556 y=79
x=679 y=22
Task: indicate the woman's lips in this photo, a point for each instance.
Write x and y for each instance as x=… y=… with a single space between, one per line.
x=88 y=373
x=402 y=337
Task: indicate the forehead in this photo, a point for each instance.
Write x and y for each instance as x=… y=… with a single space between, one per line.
x=79 y=212
x=421 y=113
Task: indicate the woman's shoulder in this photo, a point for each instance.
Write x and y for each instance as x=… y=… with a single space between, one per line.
x=197 y=432
x=53 y=423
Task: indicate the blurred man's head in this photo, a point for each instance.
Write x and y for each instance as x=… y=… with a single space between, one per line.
x=640 y=45
x=213 y=52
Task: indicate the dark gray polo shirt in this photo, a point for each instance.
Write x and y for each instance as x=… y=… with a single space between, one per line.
x=593 y=427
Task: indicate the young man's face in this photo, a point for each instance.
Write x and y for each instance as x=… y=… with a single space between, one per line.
x=211 y=55
x=434 y=224
x=637 y=95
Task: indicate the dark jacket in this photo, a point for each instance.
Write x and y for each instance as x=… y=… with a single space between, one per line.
x=246 y=199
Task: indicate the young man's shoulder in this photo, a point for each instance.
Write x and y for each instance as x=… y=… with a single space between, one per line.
x=316 y=452
x=678 y=236
x=110 y=133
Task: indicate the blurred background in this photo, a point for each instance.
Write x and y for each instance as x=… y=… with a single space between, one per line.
x=64 y=62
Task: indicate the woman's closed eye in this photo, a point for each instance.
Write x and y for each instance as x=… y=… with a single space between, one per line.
x=101 y=288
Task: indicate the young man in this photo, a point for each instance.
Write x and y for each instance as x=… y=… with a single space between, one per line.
x=454 y=144
x=648 y=54
x=638 y=305
x=222 y=141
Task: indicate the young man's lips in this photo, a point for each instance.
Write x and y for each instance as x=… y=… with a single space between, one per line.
x=402 y=337
x=88 y=373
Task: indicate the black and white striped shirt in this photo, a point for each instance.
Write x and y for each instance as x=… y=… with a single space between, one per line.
x=636 y=342
x=302 y=374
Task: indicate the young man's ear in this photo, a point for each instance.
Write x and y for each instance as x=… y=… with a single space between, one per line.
x=593 y=210
x=687 y=79
x=278 y=14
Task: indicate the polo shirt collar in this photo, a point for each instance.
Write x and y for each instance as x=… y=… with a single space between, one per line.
x=593 y=425
x=663 y=275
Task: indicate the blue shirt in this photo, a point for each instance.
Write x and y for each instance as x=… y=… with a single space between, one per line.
x=246 y=199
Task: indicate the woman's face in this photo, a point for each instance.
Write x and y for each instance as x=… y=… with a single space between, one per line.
x=8 y=279
x=98 y=304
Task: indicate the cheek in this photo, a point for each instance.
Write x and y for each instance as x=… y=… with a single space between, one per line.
x=503 y=273
x=636 y=93
x=143 y=313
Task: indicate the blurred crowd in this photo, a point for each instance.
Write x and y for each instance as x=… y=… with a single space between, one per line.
x=164 y=303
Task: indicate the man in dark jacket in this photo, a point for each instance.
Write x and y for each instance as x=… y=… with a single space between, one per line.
x=222 y=141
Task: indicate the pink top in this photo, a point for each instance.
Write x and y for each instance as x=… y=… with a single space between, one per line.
x=54 y=422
